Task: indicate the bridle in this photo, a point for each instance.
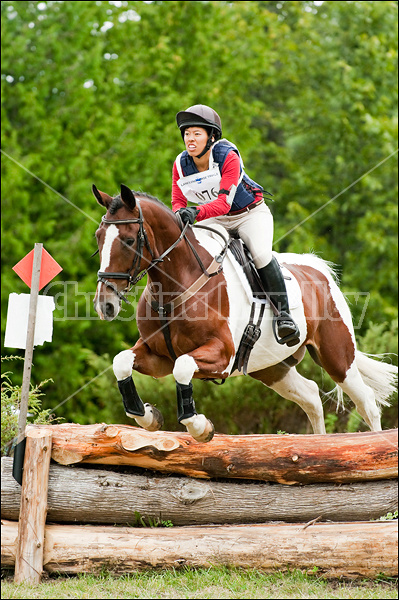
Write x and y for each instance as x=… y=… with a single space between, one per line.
x=138 y=273
x=142 y=240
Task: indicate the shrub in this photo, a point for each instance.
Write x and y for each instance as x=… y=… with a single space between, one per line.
x=10 y=403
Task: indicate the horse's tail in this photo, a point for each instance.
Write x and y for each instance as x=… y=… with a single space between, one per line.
x=380 y=376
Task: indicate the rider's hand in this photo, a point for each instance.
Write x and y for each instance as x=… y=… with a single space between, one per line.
x=188 y=214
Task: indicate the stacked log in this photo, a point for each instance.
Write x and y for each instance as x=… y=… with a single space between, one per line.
x=265 y=502
x=95 y=495
x=287 y=459
x=350 y=550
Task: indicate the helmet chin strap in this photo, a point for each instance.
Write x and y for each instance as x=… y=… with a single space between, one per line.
x=207 y=145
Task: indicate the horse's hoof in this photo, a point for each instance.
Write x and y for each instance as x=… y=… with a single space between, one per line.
x=152 y=419
x=157 y=419
x=199 y=427
x=208 y=434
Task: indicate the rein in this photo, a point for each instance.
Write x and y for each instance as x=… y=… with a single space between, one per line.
x=138 y=274
x=218 y=258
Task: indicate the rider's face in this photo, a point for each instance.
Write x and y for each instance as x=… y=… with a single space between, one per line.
x=195 y=139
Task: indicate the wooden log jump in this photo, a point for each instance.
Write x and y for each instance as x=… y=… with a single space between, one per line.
x=94 y=495
x=349 y=549
x=337 y=550
x=286 y=459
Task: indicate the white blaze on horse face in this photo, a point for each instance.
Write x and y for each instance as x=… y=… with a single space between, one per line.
x=110 y=235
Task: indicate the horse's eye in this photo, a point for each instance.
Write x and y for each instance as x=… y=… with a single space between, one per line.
x=129 y=242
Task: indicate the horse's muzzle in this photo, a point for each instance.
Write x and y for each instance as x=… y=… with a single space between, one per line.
x=107 y=306
x=109 y=311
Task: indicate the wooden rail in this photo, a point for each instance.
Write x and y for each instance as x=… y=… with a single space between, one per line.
x=349 y=550
x=87 y=494
x=287 y=459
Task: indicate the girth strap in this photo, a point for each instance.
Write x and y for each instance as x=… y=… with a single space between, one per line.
x=163 y=317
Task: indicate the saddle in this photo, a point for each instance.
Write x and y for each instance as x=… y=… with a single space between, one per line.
x=243 y=256
x=252 y=331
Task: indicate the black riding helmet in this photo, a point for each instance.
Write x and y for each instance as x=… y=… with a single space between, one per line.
x=202 y=116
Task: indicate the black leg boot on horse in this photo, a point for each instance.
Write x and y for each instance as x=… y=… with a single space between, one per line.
x=197 y=425
x=146 y=415
x=273 y=283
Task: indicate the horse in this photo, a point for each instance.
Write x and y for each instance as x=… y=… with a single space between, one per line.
x=195 y=307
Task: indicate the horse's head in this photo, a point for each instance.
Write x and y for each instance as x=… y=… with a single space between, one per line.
x=124 y=249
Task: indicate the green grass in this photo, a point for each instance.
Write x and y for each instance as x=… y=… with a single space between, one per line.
x=202 y=583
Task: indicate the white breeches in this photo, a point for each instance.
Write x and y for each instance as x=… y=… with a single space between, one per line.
x=254 y=227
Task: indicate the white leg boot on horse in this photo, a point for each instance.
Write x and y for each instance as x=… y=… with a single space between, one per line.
x=201 y=428
x=146 y=415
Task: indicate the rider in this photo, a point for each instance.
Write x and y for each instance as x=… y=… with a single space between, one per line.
x=210 y=174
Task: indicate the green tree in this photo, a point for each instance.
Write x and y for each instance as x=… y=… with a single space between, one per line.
x=89 y=95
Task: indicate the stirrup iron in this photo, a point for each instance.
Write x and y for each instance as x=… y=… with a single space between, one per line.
x=291 y=339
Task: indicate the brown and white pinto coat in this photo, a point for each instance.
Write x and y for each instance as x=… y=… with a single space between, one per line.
x=206 y=330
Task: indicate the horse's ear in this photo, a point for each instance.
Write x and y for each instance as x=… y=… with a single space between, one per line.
x=127 y=197
x=101 y=197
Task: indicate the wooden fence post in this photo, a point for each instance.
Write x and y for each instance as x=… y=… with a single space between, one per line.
x=33 y=511
x=19 y=450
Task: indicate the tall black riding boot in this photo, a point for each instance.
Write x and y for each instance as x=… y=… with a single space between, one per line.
x=273 y=283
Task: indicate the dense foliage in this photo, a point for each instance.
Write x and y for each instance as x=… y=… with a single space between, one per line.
x=10 y=398
x=307 y=90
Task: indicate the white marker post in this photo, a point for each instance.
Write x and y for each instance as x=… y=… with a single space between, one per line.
x=30 y=336
x=32 y=453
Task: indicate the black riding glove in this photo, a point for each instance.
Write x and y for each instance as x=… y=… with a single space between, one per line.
x=188 y=214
